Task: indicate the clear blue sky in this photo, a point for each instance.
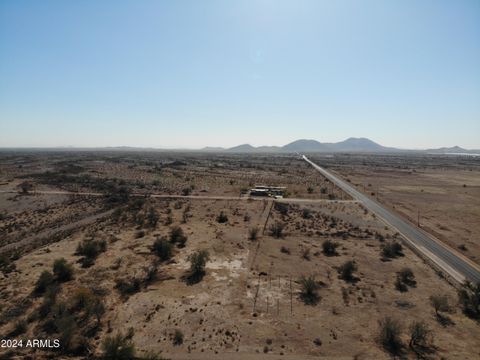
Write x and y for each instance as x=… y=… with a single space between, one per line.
x=404 y=73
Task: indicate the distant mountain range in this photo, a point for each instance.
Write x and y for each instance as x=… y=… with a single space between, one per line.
x=349 y=145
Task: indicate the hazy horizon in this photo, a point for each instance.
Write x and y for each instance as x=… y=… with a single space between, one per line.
x=195 y=74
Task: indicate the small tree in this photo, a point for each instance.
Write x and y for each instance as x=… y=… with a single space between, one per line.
x=253 y=233
x=419 y=333
x=90 y=249
x=439 y=303
x=222 y=218
x=276 y=229
x=469 y=299
x=309 y=288
x=198 y=260
x=163 y=248
x=390 y=330
x=306 y=213
x=405 y=278
x=347 y=269
x=178 y=237
x=62 y=270
x=118 y=347
x=329 y=247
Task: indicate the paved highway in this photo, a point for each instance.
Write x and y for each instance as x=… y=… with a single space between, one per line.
x=450 y=261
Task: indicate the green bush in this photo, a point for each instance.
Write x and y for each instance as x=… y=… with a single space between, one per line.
x=118 y=347
x=329 y=248
x=62 y=270
x=392 y=250
x=253 y=233
x=90 y=249
x=198 y=260
x=309 y=288
x=347 y=269
x=178 y=237
x=390 y=332
x=222 y=218
x=469 y=300
x=163 y=248
x=276 y=229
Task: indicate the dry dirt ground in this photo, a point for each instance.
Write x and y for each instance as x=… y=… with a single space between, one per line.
x=443 y=190
x=248 y=304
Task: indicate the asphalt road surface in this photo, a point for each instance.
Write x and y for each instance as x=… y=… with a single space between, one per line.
x=446 y=258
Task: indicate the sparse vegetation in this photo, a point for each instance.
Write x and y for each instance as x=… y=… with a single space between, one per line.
x=469 y=299
x=62 y=270
x=392 y=250
x=222 y=218
x=253 y=233
x=347 y=269
x=163 y=248
x=44 y=281
x=90 y=249
x=309 y=289
x=390 y=335
x=329 y=248
x=198 y=260
x=276 y=229
x=178 y=237
x=118 y=347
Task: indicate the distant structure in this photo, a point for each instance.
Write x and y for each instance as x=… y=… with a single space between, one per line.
x=268 y=191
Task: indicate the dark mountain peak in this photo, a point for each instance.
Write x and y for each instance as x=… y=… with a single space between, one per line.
x=242 y=148
x=304 y=145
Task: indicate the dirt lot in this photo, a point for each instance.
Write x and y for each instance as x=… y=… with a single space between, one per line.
x=249 y=302
x=442 y=191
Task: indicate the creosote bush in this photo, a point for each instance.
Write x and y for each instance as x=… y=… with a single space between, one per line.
x=419 y=335
x=389 y=338
x=329 y=248
x=276 y=229
x=198 y=260
x=440 y=303
x=178 y=237
x=62 y=270
x=178 y=337
x=392 y=250
x=163 y=248
x=118 y=347
x=90 y=249
x=253 y=233
x=469 y=300
x=222 y=218
x=347 y=269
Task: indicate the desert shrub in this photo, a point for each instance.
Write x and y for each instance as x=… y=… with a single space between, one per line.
x=177 y=338
x=282 y=208
x=62 y=270
x=405 y=278
x=163 y=248
x=90 y=249
x=329 y=247
x=49 y=300
x=6 y=264
x=347 y=269
x=44 y=281
x=389 y=337
x=469 y=299
x=310 y=189
x=222 y=217
x=198 y=260
x=128 y=286
x=253 y=233
x=118 y=347
x=139 y=234
x=308 y=292
x=323 y=190
x=152 y=217
x=186 y=191
x=440 y=303
x=285 y=250
x=392 y=250
x=306 y=213
x=419 y=334
x=178 y=237
x=65 y=325
x=276 y=229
